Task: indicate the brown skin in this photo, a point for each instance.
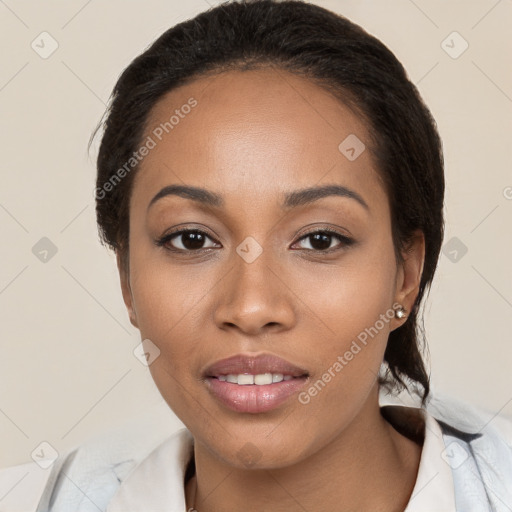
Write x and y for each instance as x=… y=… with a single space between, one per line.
x=254 y=136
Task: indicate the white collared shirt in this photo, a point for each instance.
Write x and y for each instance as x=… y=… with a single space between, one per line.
x=434 y=489
x=157 y=483
x=140 y=468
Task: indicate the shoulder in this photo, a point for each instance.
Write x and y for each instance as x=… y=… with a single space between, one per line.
x=478 y=450
x=87 y=476
x=480 y=427
x=476 y=445
x=21 y=486
x=457 y=416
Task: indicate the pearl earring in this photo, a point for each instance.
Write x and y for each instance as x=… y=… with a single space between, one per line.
x=400 y=313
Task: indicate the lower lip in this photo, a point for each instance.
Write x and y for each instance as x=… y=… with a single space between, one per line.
x=253 y=398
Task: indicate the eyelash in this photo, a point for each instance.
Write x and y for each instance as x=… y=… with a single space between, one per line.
x=164 y=240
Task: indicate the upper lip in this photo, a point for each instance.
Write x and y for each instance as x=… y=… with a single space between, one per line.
x=261 y=363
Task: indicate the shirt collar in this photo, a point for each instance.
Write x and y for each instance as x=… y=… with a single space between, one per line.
x=434 y=488
x=157 y=483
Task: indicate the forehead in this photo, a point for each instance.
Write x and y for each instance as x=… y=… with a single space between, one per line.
x=255 y=134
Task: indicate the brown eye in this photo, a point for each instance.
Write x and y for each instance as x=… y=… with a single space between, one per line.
x=321 y=240
x=186 y=240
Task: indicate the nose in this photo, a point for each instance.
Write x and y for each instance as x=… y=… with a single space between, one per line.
x=255 y=298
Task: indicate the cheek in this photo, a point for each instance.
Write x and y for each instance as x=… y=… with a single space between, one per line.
x=348 y=298
x=167 y=306
x=347 y=373
x=166 y=295
x=352 y=308
x=168 y=301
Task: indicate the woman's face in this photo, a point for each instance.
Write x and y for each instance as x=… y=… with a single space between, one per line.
x=257 y=280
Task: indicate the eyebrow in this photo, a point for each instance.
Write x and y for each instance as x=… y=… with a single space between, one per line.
x=291 y=199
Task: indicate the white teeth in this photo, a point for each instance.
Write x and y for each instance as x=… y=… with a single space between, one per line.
x=263 y=378
x=244 y=379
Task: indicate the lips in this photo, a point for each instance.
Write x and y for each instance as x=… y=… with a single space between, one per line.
x=241 y=383
x=254 y=365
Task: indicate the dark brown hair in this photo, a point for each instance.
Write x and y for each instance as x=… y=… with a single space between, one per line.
x=334 y=53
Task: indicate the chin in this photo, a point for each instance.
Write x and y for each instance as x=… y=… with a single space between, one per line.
x=253 y=448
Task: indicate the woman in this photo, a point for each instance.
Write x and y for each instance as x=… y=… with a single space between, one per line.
x=272 y=185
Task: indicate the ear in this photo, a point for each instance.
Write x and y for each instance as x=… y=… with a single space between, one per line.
x=410 y=272
x=124 y=276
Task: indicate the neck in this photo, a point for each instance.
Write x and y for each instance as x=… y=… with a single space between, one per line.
x=367 y=466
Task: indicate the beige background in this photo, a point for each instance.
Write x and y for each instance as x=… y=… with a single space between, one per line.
x=67 y=369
